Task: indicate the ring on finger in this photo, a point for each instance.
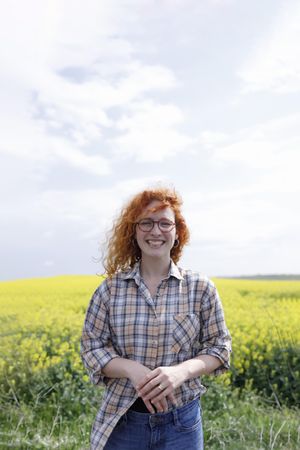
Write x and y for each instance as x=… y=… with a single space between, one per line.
x=161 y=387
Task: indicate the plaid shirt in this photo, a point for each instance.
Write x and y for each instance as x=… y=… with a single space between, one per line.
x=185 y=319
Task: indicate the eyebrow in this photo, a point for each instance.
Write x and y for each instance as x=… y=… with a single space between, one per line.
x=161 y=218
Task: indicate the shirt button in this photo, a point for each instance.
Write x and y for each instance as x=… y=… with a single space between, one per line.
x=154 y=342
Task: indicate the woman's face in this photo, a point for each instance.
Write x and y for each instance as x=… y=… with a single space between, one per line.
x=156 y=243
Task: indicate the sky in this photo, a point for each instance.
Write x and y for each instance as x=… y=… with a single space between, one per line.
x=103 y=98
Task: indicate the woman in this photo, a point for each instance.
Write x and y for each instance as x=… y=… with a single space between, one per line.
x=151 y=330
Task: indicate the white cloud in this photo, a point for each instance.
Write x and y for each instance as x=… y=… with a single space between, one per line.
x=239 y=218
x=94 y=164
x=74 y=70
x=272 y=147
x=48 y=234
x=150 y=132
x=82 y=207
x=262 y=209
x=275 y=63
x=97 y=86
x=83 y=108
x=48 y=263
x=26 y=138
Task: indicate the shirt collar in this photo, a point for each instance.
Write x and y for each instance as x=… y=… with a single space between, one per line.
x=134 y=272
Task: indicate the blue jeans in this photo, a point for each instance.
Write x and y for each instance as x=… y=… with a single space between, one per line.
x=178 y=429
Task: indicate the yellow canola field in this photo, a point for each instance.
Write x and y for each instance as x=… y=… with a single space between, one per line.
x=41 y=322
x=261 y=315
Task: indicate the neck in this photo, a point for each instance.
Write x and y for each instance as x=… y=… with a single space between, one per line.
x=155 y=268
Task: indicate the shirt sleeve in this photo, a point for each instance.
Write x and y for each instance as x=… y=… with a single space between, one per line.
x=96 y=347
x=215 y=339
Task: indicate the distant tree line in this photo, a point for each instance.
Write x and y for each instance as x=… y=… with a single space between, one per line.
x=285 y=277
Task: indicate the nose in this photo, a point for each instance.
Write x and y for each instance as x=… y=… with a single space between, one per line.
x=155 y=228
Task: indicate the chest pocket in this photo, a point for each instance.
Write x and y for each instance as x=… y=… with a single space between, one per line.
x=185 y=332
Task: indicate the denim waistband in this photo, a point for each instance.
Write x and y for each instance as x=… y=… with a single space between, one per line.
x=159 y=418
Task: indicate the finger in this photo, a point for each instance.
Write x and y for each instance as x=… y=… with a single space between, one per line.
x=155 y=393
x=159 y=406
x=148 y=387
x=149 y=384
x=164 y=404
x=162 y=394
x=149 y=406
x=172 y=398
x=154 y=407
x=147 y=378
x=142 y=384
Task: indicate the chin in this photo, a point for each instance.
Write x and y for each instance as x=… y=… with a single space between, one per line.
x=158 y=255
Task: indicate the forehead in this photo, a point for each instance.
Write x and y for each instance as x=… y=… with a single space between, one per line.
x=156 y=209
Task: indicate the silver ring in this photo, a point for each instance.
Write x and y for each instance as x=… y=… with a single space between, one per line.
x=161 y=387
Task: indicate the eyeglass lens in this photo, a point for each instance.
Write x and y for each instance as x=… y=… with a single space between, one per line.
x=163 y=224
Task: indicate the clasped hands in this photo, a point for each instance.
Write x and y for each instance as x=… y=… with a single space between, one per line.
x=158 y=386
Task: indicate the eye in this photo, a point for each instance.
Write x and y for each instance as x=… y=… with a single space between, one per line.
x=165 y=224
x=146 y=222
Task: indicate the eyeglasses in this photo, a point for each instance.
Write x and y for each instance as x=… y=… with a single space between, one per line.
x=163 y=224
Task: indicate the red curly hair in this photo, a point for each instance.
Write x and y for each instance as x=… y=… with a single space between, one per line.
x=122 y=249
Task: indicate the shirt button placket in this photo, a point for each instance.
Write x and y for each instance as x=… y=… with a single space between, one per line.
x=154 y=341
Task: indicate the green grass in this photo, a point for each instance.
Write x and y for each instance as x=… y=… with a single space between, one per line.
x=236 y=420
x=232 y=421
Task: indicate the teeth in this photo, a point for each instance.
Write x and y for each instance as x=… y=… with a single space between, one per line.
x=155 y=243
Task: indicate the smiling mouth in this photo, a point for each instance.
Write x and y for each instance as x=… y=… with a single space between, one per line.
x=155 y=243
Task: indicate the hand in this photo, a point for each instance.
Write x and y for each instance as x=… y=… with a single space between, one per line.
x=137 y=373
x=161 y=383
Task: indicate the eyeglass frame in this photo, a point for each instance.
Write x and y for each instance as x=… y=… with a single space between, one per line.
x=154 y=222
